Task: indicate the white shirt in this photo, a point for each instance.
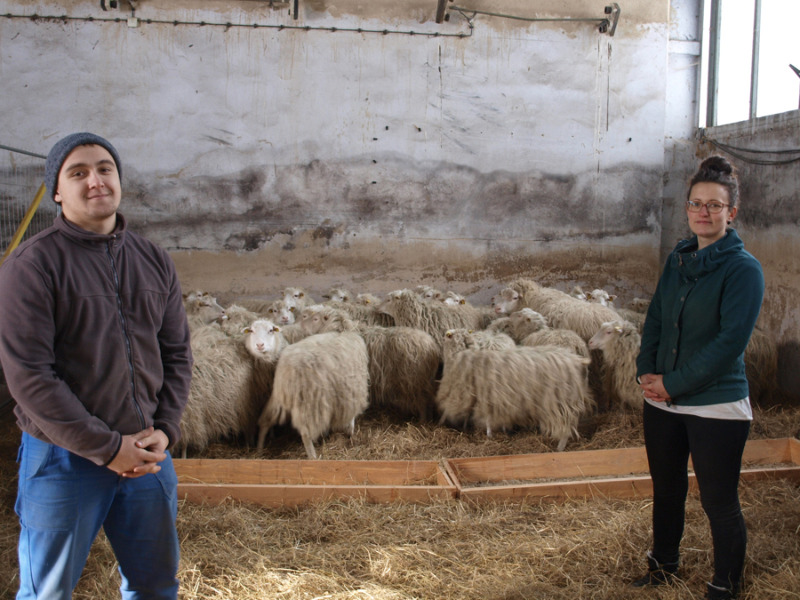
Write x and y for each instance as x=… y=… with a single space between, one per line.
x=733 y=411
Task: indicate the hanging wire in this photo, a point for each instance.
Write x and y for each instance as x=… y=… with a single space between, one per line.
x=228 y=26
x=746 y=154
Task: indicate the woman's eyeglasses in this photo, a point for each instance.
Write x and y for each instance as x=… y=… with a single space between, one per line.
x=713 y=206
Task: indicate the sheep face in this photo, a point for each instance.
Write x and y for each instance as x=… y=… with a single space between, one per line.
x=506 y=302
x=263 y=338
x=607 y=332
x=528 y=320
x=313 y=319
x=599 y=296
x=367 y=299
x=338 y=295
x=281 y=313
x=453 y=299
x=203 y=306
x=295 y=297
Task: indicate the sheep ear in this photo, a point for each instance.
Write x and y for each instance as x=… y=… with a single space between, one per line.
x=462 y=301
x=612 y=297
x=618 y=328
x=275 y=328
x=247 y=330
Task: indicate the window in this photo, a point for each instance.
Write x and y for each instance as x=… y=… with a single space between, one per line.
x=749 y=50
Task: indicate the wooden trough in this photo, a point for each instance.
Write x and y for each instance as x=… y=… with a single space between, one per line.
x=293 y=482
x=621 y=473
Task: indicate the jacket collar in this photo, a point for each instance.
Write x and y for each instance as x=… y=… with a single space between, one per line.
x=89 y=238
x=692 y=263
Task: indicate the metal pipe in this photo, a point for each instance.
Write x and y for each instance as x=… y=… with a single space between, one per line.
x=755 y=60
x=715 y=21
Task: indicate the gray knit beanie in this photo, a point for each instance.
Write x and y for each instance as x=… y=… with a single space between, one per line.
x=58 y=154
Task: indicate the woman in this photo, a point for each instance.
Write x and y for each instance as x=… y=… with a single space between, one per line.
x=691 y=371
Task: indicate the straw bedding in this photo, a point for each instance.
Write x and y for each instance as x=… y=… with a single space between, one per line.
x=445 y=549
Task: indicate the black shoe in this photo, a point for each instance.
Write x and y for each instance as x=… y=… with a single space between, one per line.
x=657 y=573
x=715 y=592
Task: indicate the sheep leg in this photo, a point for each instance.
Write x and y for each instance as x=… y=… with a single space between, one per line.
x=262 y=435
x=562 y=443
x=309 y=446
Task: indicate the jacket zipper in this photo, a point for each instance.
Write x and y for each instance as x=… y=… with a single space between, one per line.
x=125 y=334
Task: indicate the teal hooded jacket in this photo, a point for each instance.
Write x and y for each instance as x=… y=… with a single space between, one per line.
x=700 y=319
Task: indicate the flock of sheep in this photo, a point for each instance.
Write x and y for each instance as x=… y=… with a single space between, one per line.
x=536 y=358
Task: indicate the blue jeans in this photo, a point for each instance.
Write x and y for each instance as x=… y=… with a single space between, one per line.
x=716 y=447
x=62 y=502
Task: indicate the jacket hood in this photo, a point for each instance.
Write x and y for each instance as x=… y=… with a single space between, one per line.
x=691 y=262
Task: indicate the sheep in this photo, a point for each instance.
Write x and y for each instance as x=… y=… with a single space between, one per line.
x=640 y=304
x=761 y=365
x=338 y=295
x=281 y=313
x=544 y=386
x=524 y=322
x=560 y=309
x=408 y=310
x=236 y=318
x=600 y=296
x=482 y=339
x=367 y=299
x=321 y=384
x=256 y=305
x=632 y=316
x=403 y=362
x=296 y=297
x=563 y=338
x=222 y=399
x=202 y=309
x=364 y=313
x=453 y=299
x=482 y=315
x=619 y=341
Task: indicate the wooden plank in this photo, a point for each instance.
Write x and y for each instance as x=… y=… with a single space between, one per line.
x=309 y=472
x=478 y=479
x=293 y=495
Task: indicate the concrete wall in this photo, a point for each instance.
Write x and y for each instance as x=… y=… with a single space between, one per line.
x=302 y=151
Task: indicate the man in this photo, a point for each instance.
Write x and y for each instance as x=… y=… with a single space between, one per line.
x=95 y=347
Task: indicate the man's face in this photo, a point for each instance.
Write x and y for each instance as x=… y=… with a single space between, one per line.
x=89 y=189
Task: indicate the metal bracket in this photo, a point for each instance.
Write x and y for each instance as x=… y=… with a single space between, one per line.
x=609 y=25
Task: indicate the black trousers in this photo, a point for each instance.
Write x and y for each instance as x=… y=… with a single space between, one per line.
x=716 y=447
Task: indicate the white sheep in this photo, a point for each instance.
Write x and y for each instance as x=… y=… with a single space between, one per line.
x=321 y=384
x=367 y=299
x=202 y=309
x=563 y=338
x=296 y=297
x=619 y=341
x=281 y=313
x=338 y=295
x=403 y=361
x=409 y=310
x=524 y=322
x=544 y=387
x=222 y=399
x=560 y=309
x=601 y=296
x=481 y=339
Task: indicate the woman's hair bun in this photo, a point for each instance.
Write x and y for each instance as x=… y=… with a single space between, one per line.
x=717 y=163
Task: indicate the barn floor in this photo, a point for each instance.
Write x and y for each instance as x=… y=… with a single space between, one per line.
x=445 y=549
